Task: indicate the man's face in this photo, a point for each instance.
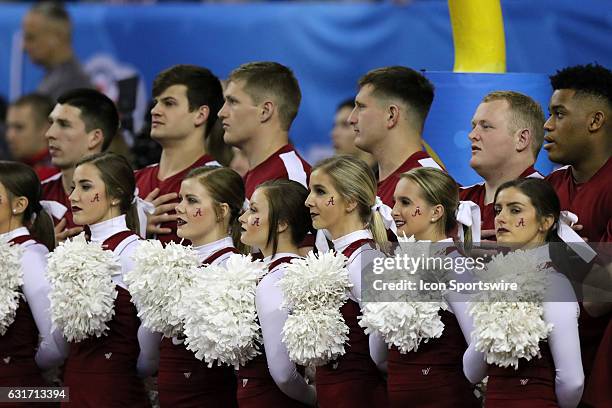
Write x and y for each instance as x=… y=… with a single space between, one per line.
x=239 y=115
x=343 y=135
x=491 y=138
x=170 y=115
x=39 y=38
x=368 y=120
x=24 y=135
x=68 y=140
x=566 y=127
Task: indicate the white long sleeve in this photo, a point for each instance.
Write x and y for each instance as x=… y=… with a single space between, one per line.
x=148 y=358
x=564 y=343
x=272 y=318
x=53 y=348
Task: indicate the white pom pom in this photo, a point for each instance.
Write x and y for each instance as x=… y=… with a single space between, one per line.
x=314 y=290
x=11 y=277
x=504 y=330
x=315 y=282
x=315 y=336
x=404 y=324
x=158 y=280
x=219 y=313
x=82 y=292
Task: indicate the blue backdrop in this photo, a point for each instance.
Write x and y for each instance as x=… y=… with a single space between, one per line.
x=328 y=46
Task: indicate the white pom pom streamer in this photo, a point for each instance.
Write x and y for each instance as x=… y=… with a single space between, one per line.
x=508 y=331
x=82 y=292
x=219 y=313
x=11 y=277
x=158 y=280
x=315 y=282
x=315 y=336
x=404 y=324
x=314 y=290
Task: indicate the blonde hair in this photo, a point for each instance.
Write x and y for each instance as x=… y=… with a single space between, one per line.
x=438 y=188
x=354 y=180
x=224 y=186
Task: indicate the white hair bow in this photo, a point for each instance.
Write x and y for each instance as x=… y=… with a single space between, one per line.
x=143 y=208
x=468 y=214
x=386 y=213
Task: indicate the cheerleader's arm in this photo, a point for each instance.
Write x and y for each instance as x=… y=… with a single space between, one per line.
x=53 y=348
x=148 y=358
x=564 y=344
x=272 y=318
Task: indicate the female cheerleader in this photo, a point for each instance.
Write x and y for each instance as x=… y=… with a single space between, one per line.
x=343 y=201
x=276 y=222
x=211 y=199
x=103 y=371
x=527 y=212
x=27 y=345
x=426 y=201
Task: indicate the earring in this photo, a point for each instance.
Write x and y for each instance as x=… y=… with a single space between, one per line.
x=14 y=211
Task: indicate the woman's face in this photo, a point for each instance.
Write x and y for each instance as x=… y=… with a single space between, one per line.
x=411 y=213
x=516 y=220
x=197 y=220
x=89 y=201
x=255 y=222
x=327 y=207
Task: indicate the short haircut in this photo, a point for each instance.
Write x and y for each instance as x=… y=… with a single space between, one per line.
x=587 y=80
x=203 y=88
x=347 y=103
x=271 y=79
x=55 y=12
x=98 y=111
x=41 y=106
x=524 y=113
x=405 y=84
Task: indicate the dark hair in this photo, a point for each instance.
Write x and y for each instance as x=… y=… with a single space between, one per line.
x=53 y=10
x=119 y=181
x=20 y=180
x=98 y=111
x=591 y=79
x=347 y=103
x=286 y=200
x=203 y=88
x=224 y=186
x=271 y=79
x=405 y=84
x=41 y=106
x=543 y=198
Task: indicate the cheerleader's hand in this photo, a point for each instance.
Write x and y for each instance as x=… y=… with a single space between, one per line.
x=61 y=232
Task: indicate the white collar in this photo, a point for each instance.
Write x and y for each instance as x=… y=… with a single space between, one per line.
x=206 y=250
x=101 y=231
x=17 y=232
x=541 y=254
x=269 y=259
x=343 y=242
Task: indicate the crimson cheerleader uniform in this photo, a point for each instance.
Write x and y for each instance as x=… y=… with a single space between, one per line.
x=28 y=345
x=271 y=379
x=147 y=180
x=477 y=194
x=103 y=371
x=353 y=380
x=183 y=380
x=555 y=378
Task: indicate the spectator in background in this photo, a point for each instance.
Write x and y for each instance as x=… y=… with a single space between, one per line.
x=47 y=36
x=343 y=135
x=4 y=153
x=27 y=121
